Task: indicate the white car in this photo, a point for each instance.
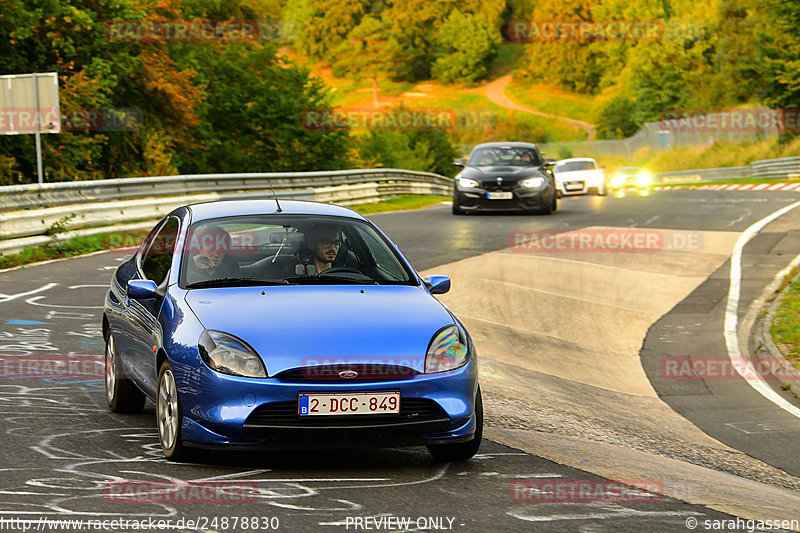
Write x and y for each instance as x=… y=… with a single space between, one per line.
x=579 y=175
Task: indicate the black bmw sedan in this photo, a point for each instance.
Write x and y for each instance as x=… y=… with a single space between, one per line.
x=504 y=176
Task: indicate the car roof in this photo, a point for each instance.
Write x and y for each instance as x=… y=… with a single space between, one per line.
x=515 y=144
x=225 y=208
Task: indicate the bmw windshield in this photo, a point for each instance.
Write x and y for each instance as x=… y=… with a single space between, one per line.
x=504 y=156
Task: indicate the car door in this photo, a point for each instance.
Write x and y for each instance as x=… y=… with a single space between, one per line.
x=144 y=331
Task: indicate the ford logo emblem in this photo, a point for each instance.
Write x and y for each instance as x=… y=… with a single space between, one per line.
x=348 y=374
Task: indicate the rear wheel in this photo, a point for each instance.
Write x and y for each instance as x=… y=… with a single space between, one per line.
x=121 y=394
x=462 y=451
x=169 y=416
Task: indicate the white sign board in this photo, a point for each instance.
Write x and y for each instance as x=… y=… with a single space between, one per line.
x=20 y=99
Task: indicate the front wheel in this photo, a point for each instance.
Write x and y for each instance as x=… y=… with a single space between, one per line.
x=462 y=451
x=457 y=210
x=121 y=394
x=169 y=416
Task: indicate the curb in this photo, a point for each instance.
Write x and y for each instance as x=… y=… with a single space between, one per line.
x=765 y=345
x=733 y=187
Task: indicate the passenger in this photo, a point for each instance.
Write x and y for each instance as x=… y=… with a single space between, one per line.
x=211 y=257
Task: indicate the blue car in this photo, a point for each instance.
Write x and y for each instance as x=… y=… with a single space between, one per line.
x=255 y=324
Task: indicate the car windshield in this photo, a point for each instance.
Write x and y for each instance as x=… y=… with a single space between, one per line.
x=288 y=250
x=569 y=166
x=503 y=156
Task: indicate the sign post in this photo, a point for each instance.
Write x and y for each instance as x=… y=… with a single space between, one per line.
x=27 y=102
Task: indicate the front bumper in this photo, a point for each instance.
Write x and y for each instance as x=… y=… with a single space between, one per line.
x=521 y=199
x=234 y=412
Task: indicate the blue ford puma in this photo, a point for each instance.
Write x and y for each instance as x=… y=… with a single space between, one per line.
x=299 y=325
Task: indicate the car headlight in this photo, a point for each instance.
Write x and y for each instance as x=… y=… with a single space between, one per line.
x=644 y=179
x=466 y=182
x=532 y=182
x=229 y=355
x=448 y=350
x=618 y=180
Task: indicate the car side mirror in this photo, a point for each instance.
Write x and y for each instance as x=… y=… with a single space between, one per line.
x=437 y=284
x=142 y=289
x=460 y=162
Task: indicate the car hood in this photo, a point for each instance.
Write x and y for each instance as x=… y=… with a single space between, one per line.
x=301 y=325
x=509 y=174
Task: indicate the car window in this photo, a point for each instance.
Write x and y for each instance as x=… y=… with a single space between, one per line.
x=570 y=166
x=158 y=257
x=505 y=156
x=287 y=248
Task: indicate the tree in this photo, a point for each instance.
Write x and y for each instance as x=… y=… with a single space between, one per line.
x=779 y=44
x=466 y=44
x=366 y=53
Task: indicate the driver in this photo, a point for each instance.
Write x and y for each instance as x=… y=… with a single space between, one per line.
x=324 y=241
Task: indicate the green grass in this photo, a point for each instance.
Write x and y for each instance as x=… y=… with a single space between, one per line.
x=81 y=245
x=785 y=327
x=71 y=247
x=401 y=203
x=549 y=99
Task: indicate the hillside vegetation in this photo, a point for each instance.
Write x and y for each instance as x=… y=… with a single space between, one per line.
x=237 y=105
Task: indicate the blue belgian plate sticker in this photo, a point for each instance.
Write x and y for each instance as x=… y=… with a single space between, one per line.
x=302 y=405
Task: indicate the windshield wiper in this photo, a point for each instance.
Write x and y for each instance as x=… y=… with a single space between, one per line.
x=329 y=280
x=235 y=282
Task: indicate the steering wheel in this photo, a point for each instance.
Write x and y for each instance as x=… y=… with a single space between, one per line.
x=342 y=269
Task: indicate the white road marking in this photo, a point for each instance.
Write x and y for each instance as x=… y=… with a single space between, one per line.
x=743 y=365
x=9 y=297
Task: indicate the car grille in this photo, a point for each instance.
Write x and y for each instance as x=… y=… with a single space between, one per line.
x=494 y=186
x=364 y=371
x=284 y=414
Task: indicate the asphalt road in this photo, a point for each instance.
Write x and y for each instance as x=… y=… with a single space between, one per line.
x=61 y=447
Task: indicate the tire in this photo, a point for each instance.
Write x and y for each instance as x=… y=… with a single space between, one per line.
x=458 y=210
x=169 y=417
x=121 y=394
x=603 y=192
x=462 y=451
x=554 y=205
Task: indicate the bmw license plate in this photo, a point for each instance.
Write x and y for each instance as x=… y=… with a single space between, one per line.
x=358 y=403
x=574 y=186
x=499 y=195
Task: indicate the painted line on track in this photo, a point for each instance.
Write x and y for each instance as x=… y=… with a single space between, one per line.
x=743 y=365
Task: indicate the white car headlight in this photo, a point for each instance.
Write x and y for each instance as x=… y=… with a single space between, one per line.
x=532 y=182
x=448 y=350
x=229 y=355
x=644 y=179
x=466 y=182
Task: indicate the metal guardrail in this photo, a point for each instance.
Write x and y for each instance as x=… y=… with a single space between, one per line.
x=774 y=169
x=17 y=197
x=28 y=212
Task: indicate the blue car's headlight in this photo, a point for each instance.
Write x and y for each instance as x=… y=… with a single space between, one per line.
x=229 y=355
x=532 y=182
x=448 y=350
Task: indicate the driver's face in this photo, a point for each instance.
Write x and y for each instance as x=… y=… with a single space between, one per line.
x=326 y=245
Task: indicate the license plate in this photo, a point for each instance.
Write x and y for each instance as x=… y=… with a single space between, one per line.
x=359 y=403
x=499 y=195
x=574 y=187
